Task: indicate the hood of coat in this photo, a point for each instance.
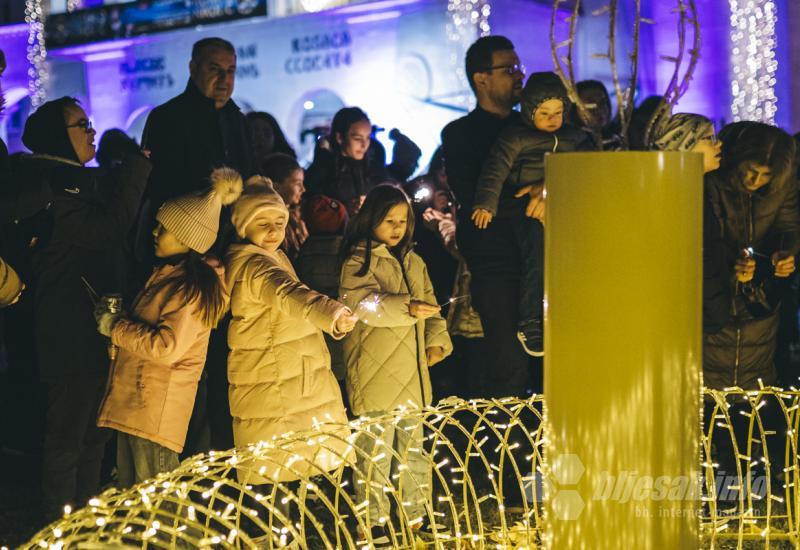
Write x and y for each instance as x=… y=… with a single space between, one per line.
x=46 y=132
x=539 y=88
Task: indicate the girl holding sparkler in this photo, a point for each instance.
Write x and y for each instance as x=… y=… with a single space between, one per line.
x=279 y=368
x=163 y=343
x=400 y=335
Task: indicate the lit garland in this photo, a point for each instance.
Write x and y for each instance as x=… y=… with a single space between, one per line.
x=207 y=501
x=37 y=53
x=467 y=17
x=753 y=60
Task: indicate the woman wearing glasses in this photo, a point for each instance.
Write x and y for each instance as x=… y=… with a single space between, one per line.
x=78 y=251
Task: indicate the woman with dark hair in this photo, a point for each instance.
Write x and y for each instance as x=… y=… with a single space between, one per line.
x=267 y=137
x=754 y=198
x=341 y=172
x=78 y=252
x=287 y=177
x=599 y=125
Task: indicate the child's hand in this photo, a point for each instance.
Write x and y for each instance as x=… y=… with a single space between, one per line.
x=422 y=310
x=345 y=323
x=482 y=218
x=434 y=354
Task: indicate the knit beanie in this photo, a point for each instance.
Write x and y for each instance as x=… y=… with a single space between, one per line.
x=539 y=88
x=681 y=132
x=324 y=216
x=194 y=219
x=258 y=196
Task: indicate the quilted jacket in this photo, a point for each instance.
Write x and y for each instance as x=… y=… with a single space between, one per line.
x=385 y=353
x=767 y=220
x=279 y=368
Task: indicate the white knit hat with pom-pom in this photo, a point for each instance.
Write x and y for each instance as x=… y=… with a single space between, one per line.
x=259 y=195
x=194 y=219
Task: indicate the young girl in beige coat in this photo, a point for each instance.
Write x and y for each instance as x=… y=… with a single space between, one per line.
x=279 y=368
x=400 y=335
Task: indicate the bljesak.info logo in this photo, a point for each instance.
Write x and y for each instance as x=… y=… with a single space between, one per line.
x=560 y=486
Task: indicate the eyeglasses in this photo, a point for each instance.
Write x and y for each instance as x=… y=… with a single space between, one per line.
x=83 y=124
x=713 y=139
x=516 y=68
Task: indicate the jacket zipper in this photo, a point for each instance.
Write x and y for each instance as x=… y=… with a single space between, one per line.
x=416 y=332
x=555 y=146
x=749 y=211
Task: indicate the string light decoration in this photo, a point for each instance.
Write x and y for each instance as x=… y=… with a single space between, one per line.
x=37 y=52
x=753 y=60
x=477 y=452
x=482 y=455
x=467 y=18
x=684 y=60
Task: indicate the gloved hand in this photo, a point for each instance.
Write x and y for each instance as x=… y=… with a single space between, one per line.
x=106 y=322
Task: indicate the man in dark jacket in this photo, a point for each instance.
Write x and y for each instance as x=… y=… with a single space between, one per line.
x=79 y=242
x=195 y=132
x=189 y=136
x=495 y=75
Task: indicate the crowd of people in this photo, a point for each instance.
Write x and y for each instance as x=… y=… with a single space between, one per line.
x=259 y=297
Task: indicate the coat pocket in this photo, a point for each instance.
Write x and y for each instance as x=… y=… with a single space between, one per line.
x=308 y=375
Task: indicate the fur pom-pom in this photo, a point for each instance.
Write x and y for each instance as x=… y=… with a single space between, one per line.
x=227 y=184
x=258 y=184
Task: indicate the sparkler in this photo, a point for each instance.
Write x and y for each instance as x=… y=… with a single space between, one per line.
x=423 y=193
x=454 y=299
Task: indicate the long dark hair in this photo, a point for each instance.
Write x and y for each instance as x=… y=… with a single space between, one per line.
x=281 y=144
x=747 y=141
x=198 y=281
x=377 y=204
x=342 y=120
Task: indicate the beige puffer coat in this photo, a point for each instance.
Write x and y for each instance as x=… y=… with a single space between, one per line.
x=279 y=368
x=385 y=353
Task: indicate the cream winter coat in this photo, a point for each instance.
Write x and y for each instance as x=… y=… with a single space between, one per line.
x=279 y=368
x=385 y=353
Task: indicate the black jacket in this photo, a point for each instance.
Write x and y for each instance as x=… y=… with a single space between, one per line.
x=89 y=218
x=338 y=177
x=517 y=159
x=465 y=146
x=767 y=220
x=187 y=138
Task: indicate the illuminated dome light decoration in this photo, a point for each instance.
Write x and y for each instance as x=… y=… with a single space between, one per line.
x=37 y=52
x=753 y=60
x=470 y=446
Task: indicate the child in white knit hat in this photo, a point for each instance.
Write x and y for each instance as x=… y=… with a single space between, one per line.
x=163 y=341
x=279 y=368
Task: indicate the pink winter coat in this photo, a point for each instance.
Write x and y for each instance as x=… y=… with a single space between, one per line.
x=279 y=368
x=153 y=381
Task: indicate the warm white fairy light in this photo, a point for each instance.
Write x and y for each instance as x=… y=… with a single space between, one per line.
x=37 y=52
x=468 y=20
x=204 y=491
x=753 y=60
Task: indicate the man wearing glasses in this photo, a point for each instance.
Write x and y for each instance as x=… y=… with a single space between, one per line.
x=495 y=76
